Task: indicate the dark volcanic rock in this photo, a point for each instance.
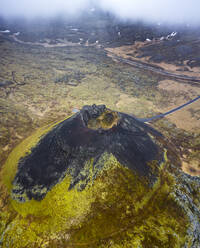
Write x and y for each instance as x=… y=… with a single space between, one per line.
x=194 y=62
x=183 y=50
x=157 y=58
x=84 y=136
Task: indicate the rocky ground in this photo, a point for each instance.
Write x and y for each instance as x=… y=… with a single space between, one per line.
x=70 y=80
x=47 y=76
x=104 y=180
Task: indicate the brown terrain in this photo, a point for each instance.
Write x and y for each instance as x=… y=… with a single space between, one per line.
x=98 y=89
x=48 y=75
x=187 y=118
x=133 y=52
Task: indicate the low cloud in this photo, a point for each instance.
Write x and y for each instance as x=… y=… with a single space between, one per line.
x=179 y=11
x=170 y=11
x=42 y=8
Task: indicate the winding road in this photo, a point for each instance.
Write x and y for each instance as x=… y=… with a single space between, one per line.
x=160 y=71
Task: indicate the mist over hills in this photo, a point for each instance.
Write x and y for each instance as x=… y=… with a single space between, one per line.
x=170 y=12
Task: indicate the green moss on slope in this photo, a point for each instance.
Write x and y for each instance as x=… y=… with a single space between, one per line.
x=128 y=214
x=116 y=209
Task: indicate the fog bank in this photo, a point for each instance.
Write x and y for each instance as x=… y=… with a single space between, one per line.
x=170 y=11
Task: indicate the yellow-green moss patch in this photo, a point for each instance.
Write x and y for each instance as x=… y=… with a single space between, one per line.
x=10 y=167
x=117 y=209
x=106 y=120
